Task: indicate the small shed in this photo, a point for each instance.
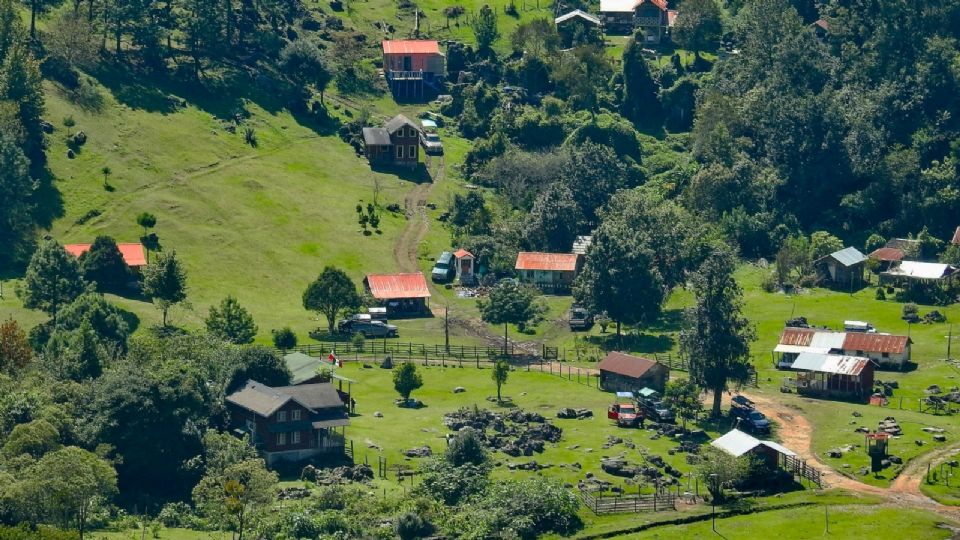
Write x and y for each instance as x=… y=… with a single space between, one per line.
x=377 y=146
x=133 y=253
x=737 y=444
x=621 y=372
x=402 y=294
x=550 y=272
x=834 y=375
x=465 y=265
x=844 y=267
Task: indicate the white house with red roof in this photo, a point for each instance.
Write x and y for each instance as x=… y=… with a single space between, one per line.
x=550 y=272
x=401 y=293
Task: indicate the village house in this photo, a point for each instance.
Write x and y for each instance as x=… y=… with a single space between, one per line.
x=413 y=67
x=550 y=272
x=401 y=294
x=397 y=143
x=843 y=268
x=620 y=372
x=650 y=18
x=894 y=251
x=919 y=272
x=885 y=350
x=577 y=24
x=833 y=375
x=290 y=423
x=133 y=254
x=737 y=443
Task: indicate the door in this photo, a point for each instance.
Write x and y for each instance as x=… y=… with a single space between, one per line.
x=407 y=63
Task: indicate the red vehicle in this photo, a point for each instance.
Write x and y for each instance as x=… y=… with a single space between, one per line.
x=624 y=411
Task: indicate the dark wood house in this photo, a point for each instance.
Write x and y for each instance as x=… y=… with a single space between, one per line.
x=397 y=143
x=290 y=423
x=620 y=372
x=843 y=268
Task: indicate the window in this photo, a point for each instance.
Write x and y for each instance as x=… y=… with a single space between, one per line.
x=281 y=439
x=886 y=355
x=859 y=353
x=399 y=151
x=295 y=437
x=412 y=151
x=295 y=415
x=282 y=416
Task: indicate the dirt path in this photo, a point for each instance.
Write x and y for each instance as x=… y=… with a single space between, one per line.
x=905 y=490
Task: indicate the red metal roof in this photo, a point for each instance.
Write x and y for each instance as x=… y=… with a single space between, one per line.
x=133 y=253
x=411 y=46
x=800 y=337
x=558 y=262
x=888 y=254
x=461 y=253
x=395 y=286
x=956 y=237
x=857 y=341
x=626 y=364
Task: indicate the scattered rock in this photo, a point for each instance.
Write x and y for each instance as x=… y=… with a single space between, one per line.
x=70 y=153
x=293 y=493
x=387 y=363
x=931 y=429
x=377 y=414
x=896 y=460
x=834 y=453
x=845 y=465
x=420 y=451
x=940 y=438
x=459 y=390
x=344 y=474
x=569 y=413
x=858 y=414
x=933 y=389
x=863 y=471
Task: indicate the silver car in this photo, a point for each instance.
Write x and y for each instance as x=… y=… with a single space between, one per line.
x=431 y=143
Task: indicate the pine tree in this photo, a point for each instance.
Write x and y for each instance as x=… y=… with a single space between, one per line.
x=52 y=280
x=21 y=83
x=165 y=282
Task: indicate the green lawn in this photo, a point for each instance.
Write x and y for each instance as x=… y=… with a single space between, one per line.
x=845 y=521
x=401 y=428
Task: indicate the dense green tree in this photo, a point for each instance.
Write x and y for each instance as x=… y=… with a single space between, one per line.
x=69 y=41
x=105 y=320
x=34 y=438
x=583 y=75
x=683 y=396
x=509 y=303
x=719 y=470
x=485 y=29
x=469 y=212
x=823 y=243
x=165 y=282
x=70 y=481
x=261 y=364
x=620 y=276
x=16 y=198
x=236 y=495
x=874 y=242
x=536 y=37
x=223 y=450
x=331 y=294
x=406 y=380
x=103 y=264
x=52 y=280
x=553 y=223
x=593 y=175
x=21 y=83
x=284 y=338
x=716 y=336
x=641 y=102
x=231 y=322
x=303 y=62
x=147 y=221
x=698 y=25
x=76 y=354
x=15 y=351
x=466 y=448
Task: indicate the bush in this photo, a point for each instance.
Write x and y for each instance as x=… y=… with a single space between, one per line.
x=177 y=514
x=910 y=310
x=250 y=136
x=880 y=294
x=466 y=448
x=450 y=484
x=358 y=341
x=530 y=508
x=411 y=526
x=284 y=338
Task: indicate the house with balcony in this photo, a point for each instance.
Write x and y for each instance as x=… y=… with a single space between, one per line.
x=290 y=423
x=397 y=143
x=414 y=68
x=650 y=18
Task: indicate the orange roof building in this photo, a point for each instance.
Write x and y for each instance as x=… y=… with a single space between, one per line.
x=133 y=253
x=411 y=64
x=550 y=272
x=402 y=294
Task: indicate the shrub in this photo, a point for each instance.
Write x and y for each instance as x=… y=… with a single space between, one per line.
x=466 y=447
x=880 y=294
x=284 y=338
x=910 y=310
x=250 y=136
x=358 y=341
x=411 y=526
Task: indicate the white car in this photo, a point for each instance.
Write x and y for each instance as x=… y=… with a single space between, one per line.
x=431 y=143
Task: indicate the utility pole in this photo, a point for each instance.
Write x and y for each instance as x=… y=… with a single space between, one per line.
x=446 y=328
x=949 y=336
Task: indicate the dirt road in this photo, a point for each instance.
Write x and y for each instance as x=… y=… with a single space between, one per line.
x=905 y=490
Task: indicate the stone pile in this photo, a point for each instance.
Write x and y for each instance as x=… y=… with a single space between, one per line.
x=515 y=433
x=569 y=413
x=890 y=425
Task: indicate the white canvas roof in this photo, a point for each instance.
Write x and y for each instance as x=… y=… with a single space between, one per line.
x=737 y=443
x=577 y=13
x=921 y=270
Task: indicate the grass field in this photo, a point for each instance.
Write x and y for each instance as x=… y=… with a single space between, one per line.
x=942 y=483
x=402 y=428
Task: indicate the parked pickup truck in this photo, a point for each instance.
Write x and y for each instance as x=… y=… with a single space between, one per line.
x=658 y=411
x=749 y=418
x=624 y=411
x=367 y=328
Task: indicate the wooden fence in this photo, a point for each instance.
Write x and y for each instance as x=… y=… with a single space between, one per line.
x=624 y=503
x=801 y=470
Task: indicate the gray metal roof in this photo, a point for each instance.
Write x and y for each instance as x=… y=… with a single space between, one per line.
x=849 y=256
x=375 y=136
x=399 y=121
x=829 y=363
x=265 y=401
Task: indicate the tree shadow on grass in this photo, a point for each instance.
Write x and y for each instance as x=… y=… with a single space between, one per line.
x=641 y=343
x=417 y=175
x=47 y=199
